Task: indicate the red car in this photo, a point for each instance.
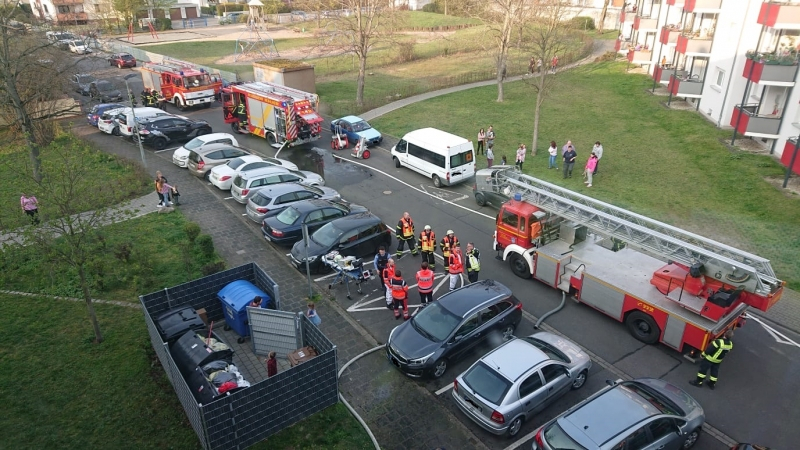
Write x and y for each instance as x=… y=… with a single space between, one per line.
x=122 y=60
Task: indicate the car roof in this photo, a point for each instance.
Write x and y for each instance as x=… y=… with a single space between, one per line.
x=462 y=301
x=514 y=358
x=351 y=119
x=305 y=206
x=268 y=170
x=280 y=189
x=610 y=413
x=212 y=136
x=213 y=147
x=355 y=220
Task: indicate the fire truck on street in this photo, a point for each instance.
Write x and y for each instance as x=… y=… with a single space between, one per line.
x=666 y=284
x=275 y=112
x=182 y=83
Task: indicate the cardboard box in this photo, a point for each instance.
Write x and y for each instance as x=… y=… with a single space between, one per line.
x=203 y=316
x=302 y=355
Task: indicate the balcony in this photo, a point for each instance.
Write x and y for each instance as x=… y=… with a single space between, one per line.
x=702 y=6
x=681 y=86
x=640 y=56
x=785 y=16
x=76 y=17
x=786 y=156
x=645 y=24
x=618 y=45
x=691 y=45
x=627 y=16
x=662 y=74
x=767 y=73
x=750 y=123
x=67 y=2
x=669 y=36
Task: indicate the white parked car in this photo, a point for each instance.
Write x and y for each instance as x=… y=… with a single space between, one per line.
x=181 y=155
x=107 y=122
x=79 y=47
x=222 y=176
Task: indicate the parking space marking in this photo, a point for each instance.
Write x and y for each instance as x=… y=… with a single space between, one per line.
x=167 y=150
x=444 y=389
x=359 y=305
x=779 y=337
x=442 y=194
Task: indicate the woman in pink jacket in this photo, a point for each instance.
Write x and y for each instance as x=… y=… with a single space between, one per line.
x=590 y=165
x=166 y=189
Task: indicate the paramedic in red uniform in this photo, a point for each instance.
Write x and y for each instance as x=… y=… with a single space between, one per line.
x=399 y=294
x=425 y=284
x=456 y=267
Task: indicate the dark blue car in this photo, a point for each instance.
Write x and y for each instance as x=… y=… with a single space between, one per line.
x=285 y=227
x=97 y=110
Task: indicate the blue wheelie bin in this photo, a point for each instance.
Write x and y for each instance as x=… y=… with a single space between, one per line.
x=235 y=298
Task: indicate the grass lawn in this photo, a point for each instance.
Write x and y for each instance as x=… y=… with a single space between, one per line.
x=669 y=165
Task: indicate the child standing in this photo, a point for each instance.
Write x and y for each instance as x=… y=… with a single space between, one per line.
x=312 y=314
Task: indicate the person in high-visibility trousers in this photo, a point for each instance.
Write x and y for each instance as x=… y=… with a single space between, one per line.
x=427 y=245
x=425 y=284
x=472 y=262
x=386 y=276
x=447 y=244
x=399 y=294
x=456 y=267
x=405 y=234
x=712 y=358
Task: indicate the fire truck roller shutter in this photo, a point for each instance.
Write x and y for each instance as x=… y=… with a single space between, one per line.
x=312 y=118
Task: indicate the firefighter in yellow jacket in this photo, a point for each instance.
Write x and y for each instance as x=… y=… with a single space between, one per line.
x=447 y=244
x=405 y=234
x=712 y=358
x=427 y=245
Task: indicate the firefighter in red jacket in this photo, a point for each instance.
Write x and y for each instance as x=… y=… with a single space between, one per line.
x=447 y=244
x=405 y=233
x=399 y=294
x=456 y=266
x=387 y=275
x=425 y=284
x=427 y=245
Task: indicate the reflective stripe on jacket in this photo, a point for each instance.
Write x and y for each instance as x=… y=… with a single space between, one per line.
x=405 y=229
x=425 y=281
x=717 y=350
x=447 y=244
x=427 y=241
x=473 y=263
x=399 y=288
x=388 y=274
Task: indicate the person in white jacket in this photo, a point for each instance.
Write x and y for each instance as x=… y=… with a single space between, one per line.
x=598 y=151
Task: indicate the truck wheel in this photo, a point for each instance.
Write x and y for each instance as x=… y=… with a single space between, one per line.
x=437 y=181
x=272 y=141
x=643 y=327
x=397 y=163
x=480 y=199
x=519 y=266
x=179 y=104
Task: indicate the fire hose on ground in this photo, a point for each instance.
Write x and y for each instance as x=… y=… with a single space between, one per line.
x=551 y=312
x=347 y=405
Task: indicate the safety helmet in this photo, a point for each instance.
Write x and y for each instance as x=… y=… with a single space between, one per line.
x=449 y=231
x=427 y=228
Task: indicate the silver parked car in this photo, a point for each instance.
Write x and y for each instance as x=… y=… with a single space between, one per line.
x=643 y=414
x=518 y=379
x=247 y=183
x=279 y=196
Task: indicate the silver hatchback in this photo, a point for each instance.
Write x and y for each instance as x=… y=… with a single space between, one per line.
x=247 y=183
x=518 y=379
x=273 y=199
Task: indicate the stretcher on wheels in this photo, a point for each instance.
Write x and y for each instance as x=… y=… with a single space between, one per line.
x=347 y=268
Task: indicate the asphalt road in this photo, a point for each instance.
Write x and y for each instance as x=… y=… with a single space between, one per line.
x=755 y=400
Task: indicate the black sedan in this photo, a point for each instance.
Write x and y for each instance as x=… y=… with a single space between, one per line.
x=286 y=226
x=104 y=91
x=159 y=131
x=450 y=327
x=82 y=82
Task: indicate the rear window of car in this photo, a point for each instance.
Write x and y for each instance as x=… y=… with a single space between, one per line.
x=239 y=181
x=261 y=199
x=556 y=437
x=235 y=163
x=549 y=350
x=288 y=216
x=487 y=383
x=195 y=157
x=461 y=159
x=126 y=57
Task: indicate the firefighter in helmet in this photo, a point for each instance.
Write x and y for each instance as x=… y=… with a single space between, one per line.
x=399 y=294
x=427 y=245
x=241 y=112
x=712 y=359
x=447 y=244
x=154 y=94
x=405 y=234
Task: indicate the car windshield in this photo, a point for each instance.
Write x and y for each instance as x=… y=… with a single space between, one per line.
x=655 y=398
x=235 y=163
x=105 y=86
x=298 y=173
x=314 y=189
x=487 y=383
x=274 y=161
x=327 y=235
x=288 y=216
x=126 y=57
x=436 y=322
x=557 y=438
x=549 y=350
x=194 y=144
x=361 y=126
x=461 y=159
x=77 y=43
x=85 y=79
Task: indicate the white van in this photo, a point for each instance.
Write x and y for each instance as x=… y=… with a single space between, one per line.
x=125 y=117
x=445 y=158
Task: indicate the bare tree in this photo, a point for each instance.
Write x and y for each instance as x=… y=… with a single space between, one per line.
x=359 y=30
x=547 y=38
x=504 y=19
x=603 y=13
x=70 y=204
x=32 y=76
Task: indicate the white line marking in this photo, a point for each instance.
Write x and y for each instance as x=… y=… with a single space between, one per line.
x=777 y=335
x=166 y=150
x=444 y=389
x=244 y=214
x=225 y=198
x=330 y=275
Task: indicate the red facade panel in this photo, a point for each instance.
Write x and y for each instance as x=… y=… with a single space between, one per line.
x=786 y=157
x=739 y=120
x=752 y=70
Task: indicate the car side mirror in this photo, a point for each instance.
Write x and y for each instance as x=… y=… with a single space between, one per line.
x=458 y=338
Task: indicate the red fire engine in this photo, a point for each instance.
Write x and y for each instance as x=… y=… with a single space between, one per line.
x=274 y=112
x=182 y=83
x=613 y=260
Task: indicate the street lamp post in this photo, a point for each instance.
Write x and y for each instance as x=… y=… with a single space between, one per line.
x=135 y=123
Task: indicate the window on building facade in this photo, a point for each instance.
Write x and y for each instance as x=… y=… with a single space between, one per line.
x=63 y=9
x=720 y=78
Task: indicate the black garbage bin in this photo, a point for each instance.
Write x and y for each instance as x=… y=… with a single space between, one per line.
x=176 y=322
x=191 y=351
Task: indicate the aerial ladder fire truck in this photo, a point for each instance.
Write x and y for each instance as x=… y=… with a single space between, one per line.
x=275 y=112
x=182 y=83
x=666 y=284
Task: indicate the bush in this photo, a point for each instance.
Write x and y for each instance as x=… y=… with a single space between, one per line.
x=209 y=10
x=582 y=23
x=206 y=245
x=163 y=24
x=431 y=8
x=405 y=52
x=192 y=230
x=212 y=268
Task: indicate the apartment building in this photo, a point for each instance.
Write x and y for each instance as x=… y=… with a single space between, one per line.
x=735 y=61
x=82 y=12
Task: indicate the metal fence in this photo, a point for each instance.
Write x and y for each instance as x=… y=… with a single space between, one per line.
x=249 y=415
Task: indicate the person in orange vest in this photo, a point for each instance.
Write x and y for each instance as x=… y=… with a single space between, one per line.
x=447 y=244
x=387 y=275
x=425 y=284
x=405 y=234
x=427 y=245
x=456 y=267
x=399 y=294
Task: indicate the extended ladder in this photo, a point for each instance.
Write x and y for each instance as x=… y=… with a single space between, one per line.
x=296 y=94
x=736 y=266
